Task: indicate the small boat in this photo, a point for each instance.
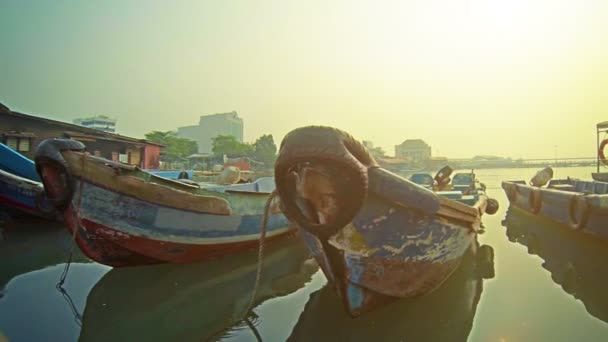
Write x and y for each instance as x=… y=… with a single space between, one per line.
x=462 y=187
x=444 y=315
x=194 y=302
x=20 y=186
x=376 y=236
x=123 y=216
x=581 y=205
x=577 y=262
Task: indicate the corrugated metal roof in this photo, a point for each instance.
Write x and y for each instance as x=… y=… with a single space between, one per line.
x=82 y=130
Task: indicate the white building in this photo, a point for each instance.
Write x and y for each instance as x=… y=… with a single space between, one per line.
x=415 y=150
x=98 y=122
x=211 y=126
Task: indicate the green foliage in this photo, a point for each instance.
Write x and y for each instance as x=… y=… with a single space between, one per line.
x=228 y=145
x=265 y=150
x=377 y=152
x=177 y=149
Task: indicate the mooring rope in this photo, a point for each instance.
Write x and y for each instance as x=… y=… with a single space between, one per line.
x=255 y=331
x=64 y=274
x=258 y=275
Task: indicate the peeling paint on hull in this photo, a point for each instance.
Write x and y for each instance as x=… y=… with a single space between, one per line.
x=390 y=252
x=24 y=195
x=119 y=231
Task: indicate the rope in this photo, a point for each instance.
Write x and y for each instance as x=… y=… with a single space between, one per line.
x=64 y=274
x=255 y=332
x=258 y=276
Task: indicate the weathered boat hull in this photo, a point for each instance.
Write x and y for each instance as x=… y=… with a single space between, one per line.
x=580 y=205
x=24 y=195
x=389 y=252
x=447 y=314
x=121 y=219
x=377 y=236
x=20 y=186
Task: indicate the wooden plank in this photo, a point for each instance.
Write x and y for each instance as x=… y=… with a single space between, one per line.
x=458 y=206
x=94 y=170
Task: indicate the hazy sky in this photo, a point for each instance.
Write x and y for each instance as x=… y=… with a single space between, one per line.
x=514 y=78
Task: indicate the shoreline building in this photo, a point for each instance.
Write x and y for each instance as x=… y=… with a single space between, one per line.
x=210 y=126
x=98 y=122
x=23 y=133
x=415 y=150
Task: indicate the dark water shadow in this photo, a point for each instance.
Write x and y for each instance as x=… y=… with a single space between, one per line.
x=444 y=315
x=578 y=262
x=30 y=244
x=205 y=301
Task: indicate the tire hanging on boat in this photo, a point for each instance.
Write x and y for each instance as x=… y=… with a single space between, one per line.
x=536 y=200
x=49 y=154
x=579 y=212
x=322 y=169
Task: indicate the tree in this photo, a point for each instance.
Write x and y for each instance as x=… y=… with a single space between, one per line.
x=229 y=146
x=377 y=152
x=177 y=149
x=265 y=150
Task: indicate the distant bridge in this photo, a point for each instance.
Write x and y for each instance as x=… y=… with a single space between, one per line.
x=537 y=162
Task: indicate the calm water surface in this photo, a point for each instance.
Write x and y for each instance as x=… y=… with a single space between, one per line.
x=547 y=284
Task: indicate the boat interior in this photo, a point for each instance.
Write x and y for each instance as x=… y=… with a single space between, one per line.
x=577 y=185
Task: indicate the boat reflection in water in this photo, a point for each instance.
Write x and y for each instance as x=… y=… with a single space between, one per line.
x=188 y=302
x=31 y=244
x=443 y=315
x=577 y=262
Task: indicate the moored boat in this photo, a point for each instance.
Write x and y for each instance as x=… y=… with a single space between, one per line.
x=20 y=186
x=579 y=204
x=376 y=235
x=123 y=216
x=444 y=315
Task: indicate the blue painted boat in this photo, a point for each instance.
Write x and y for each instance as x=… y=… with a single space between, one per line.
x=123 y=216
x=462 y=187
x=20 y=185
x=444 y=315
x=376 y=235
x=17 y=164
x=579 y=204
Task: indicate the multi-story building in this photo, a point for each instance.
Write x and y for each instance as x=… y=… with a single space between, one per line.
x=211 y=126
x=415 y=150
x=98 y=122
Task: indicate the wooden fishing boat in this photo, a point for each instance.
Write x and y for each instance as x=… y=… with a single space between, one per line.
x=122 y=216
x=444 y=315
x=577 y=262
x=20 y=186
x=194 y=302
x=376 y=235
x=581 y=205
x=462 y=187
